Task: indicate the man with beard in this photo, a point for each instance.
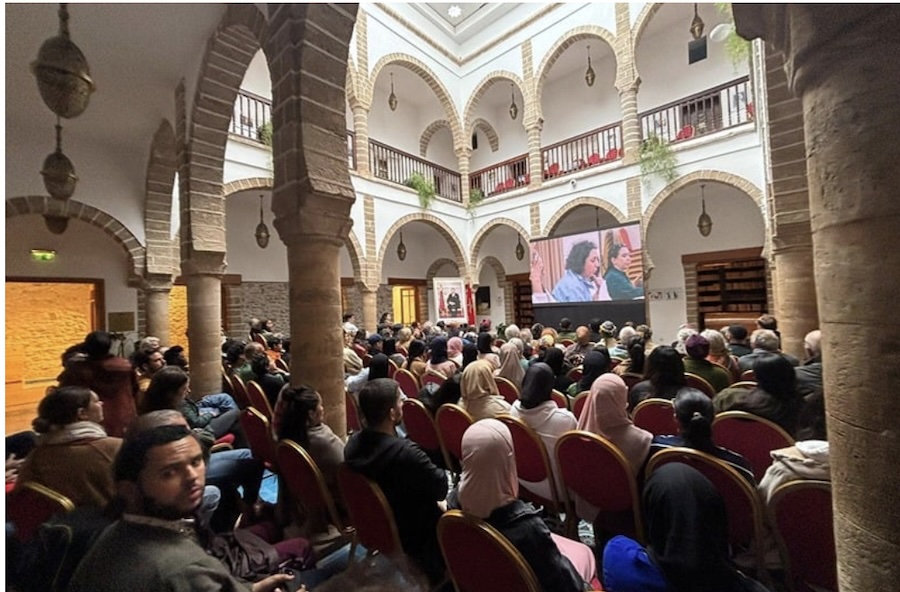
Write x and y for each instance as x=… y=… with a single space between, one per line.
x=160 y=475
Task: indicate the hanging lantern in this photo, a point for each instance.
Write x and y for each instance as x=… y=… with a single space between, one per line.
x=697 y=24
x=704 y=222
x=401 y=249
x=589 y=75
x=56 y=224
x=513 y=108
x=58 y=171
x=392 y=100
x=520 y=250
x=262 y=231
x=62 y=72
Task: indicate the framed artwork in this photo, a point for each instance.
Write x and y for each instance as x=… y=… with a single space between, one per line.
x=450 y=299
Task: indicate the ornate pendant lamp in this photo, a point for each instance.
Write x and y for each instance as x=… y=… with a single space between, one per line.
x=520 y=249
x=513 y=108
x=262 y=231
x=589 y=75
x=392 y=99
x=401 y=249
x=62 y=72
x=58 y=171
x=704 y=222
x=56 y=224
x=697 y=25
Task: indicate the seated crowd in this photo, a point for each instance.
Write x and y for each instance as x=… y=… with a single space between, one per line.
x=125 y=441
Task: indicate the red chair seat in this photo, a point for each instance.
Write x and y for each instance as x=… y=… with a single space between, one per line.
x=613 y=154
x=594 y=159
x=510 y=183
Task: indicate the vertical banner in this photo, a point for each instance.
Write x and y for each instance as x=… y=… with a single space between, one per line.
x=451 y=299
x=470 y=305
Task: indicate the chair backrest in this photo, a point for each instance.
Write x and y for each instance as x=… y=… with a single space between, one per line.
x=582 y=457
x=370 y=513
x=532 y=463
x=31 y=504
x=366 y=360
x=305 y=482
x=748 y=375
x=699 y=383
x=392 y=368
x=632 y=378
x=259 y=400
x=802 y=515
x=742 y=503
x=613 y=362
x=751 y=436
x=354 y=421
x=259 y=436
x=479 y=558
x=560 y=399
x=227 y=387
x=567 y=342
x=239 y=391
x=408 y=382
x=258 y=338
x=594 y=159
x=578 y=403
x=576 y=373
x=452 y=422
x=508 y=390
x=657 y=416
x=433 y=377
x=420 y=426
x=744 y=384
x=282 y=365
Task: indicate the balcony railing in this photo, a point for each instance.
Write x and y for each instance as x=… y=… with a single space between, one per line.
x=712 y=110
x=250 y=113
x=351 y=150
x=590 y=149
x=396 y=166
x=501 y=177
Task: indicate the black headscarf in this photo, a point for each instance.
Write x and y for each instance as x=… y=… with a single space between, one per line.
x=469 y=352
x=594 y=364
x=378 y=367
x=554 y=357
x=438 y=350
x=484 y=343
x=687 y=530
x=537 y=385
x=416 y=349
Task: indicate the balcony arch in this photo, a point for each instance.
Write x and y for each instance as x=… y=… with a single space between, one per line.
x=595 y=202
x=429 y=132
x=482 y=87
x=439 y=263
x=488 y=130
x=161 y=170
x=485 y=230
x=436 y=223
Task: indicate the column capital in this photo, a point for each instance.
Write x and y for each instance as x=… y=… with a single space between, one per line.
x=532 y=124
x=463 y=152
x=157 y=282
x=204 y=263
x=360 y=105
x=318 y=217
x=631 y=85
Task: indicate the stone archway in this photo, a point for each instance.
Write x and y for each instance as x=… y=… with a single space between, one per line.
x=439 y=225
x=438 y=264
x=161 y=170
x=643 y=19
x=488 y=130
x=595 y=202
x=482 y=233
x=429 y=132
x=562 y=44
x=482 y=87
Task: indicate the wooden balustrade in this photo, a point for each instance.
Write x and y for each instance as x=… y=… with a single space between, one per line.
x=498 y=178
x=397 y=166
x=590 y=149
x=251 y=112
x=712 y=110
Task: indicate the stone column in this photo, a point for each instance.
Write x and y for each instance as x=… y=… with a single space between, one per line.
x=841 y=60
x=370 y=307
x=795 y=292
x=464 y=154
x=631 y=124
x=535 y=164
x=361 y=132
x=156 y=292
x=203 y=273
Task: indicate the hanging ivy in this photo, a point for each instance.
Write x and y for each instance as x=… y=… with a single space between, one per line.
x=264 y=133
x=658 y=158
x=423 y=187
x=476 y=196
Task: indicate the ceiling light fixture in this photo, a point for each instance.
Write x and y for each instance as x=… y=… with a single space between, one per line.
x=392 y=99
x=262 y=231
x=401 y=249
x=589 y=75
x=454 y=11
x=55 y=223
x=513 y=108
x=697 y=25
x=58 y=171
x=62 y=72
x=704 y=222
x=520 y=249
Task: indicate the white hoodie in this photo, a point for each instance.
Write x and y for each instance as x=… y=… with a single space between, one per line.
x=550 y=422
x=805 y=460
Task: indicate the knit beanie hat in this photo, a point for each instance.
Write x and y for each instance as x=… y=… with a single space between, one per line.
x=697 y=346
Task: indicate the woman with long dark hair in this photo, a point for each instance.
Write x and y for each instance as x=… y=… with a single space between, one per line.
x=775 y=396
x=663 y=376
x=555 y=358
x=415 y=362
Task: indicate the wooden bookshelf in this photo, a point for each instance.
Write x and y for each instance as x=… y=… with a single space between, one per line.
x=730 y=288
x=523 y=310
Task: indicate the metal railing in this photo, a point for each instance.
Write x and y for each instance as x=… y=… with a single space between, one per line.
x=251 y=112
x=397 y=166
x=706 y=112
x=501 y=177
x=588 y=150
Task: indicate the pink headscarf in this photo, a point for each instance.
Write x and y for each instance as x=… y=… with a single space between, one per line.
x=454 y=347
x=606 y=414
x=489 y=479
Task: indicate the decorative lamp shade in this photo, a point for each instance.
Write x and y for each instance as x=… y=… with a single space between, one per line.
x=59 y=175
x=262 y=231
x=401 y=249
x=62 y=72
x=520 y=250
x=56 y=224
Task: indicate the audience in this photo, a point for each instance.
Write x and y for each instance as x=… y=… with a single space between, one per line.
x=415 y=362
x=439 y=362
x=663 y=376
x=634 y=362
x=469 y=353
x=763 y=342
x=454 y=351
x=574 y=354
x=510 y=368
x=480 y=396
x=266 y=377
x=595 y=363
x=737 y=340
x=555 y=358
x=697 y=348
x=486 y=350
x=809 y=374
x=719 y=354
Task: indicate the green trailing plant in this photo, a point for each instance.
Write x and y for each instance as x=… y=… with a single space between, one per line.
x=423 y=187
x=264 y=133
x=657 y=158
x=736 y=47
x=476 y=196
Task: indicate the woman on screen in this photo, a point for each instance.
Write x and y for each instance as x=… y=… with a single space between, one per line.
x=617 y=283
x=581 y=282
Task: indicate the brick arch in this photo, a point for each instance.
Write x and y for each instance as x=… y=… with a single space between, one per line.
x=498 y=270
x=562 y=44
x=41 y=204
x=439 y=263
x=437 y=224
x=161 y=169
x=229 y=51
x=488 y=130
x=419 y=68
x=481 y=235
x=429 y=133
x=595 y=202
x=643 y=19
x=354 y=248
x=482 y=87
x=351 y=88
x=264 y=183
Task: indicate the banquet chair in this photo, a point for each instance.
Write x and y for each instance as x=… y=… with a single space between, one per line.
x=632 y=378
x=408 y=382
x=699 y=383
x=578 y=403
x=575 y=373
x=421 y=429
x=354 y=423
x=452 y=422
x=239 y=391
x=259 y=435
x=751 y=436
x=259 y=400
x=508 y=390
x=370 y=513
x=560 y=399
x=30 y=504
x=657 y=416
x=432 y=377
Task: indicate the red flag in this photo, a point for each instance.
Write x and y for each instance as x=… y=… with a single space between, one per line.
x=470 y=305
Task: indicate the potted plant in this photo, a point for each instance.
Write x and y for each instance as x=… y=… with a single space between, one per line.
x=658 y=158
x=423 y=187
x=264 y=133
x=476 y=196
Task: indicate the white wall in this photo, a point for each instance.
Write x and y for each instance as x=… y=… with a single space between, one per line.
x=83 y=251
x=244 y=256
x=257 y=79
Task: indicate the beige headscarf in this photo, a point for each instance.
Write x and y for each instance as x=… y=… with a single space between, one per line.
x=489 y=479
x=352 y=362
x=479 y=394
x=606 y=413
x=510 y=368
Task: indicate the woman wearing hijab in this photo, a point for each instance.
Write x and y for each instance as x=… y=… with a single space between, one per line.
x=537 y=409
x=688 y=534
x=454 y=351
x=510 y=368
x=480 y=396
x=439 y=363
x=486 y=350
x=606 y=414
x=416 y=361
x=378 y=367
x=555 y=358
x=489 y=489
x=469 y=353
x=595 y=363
